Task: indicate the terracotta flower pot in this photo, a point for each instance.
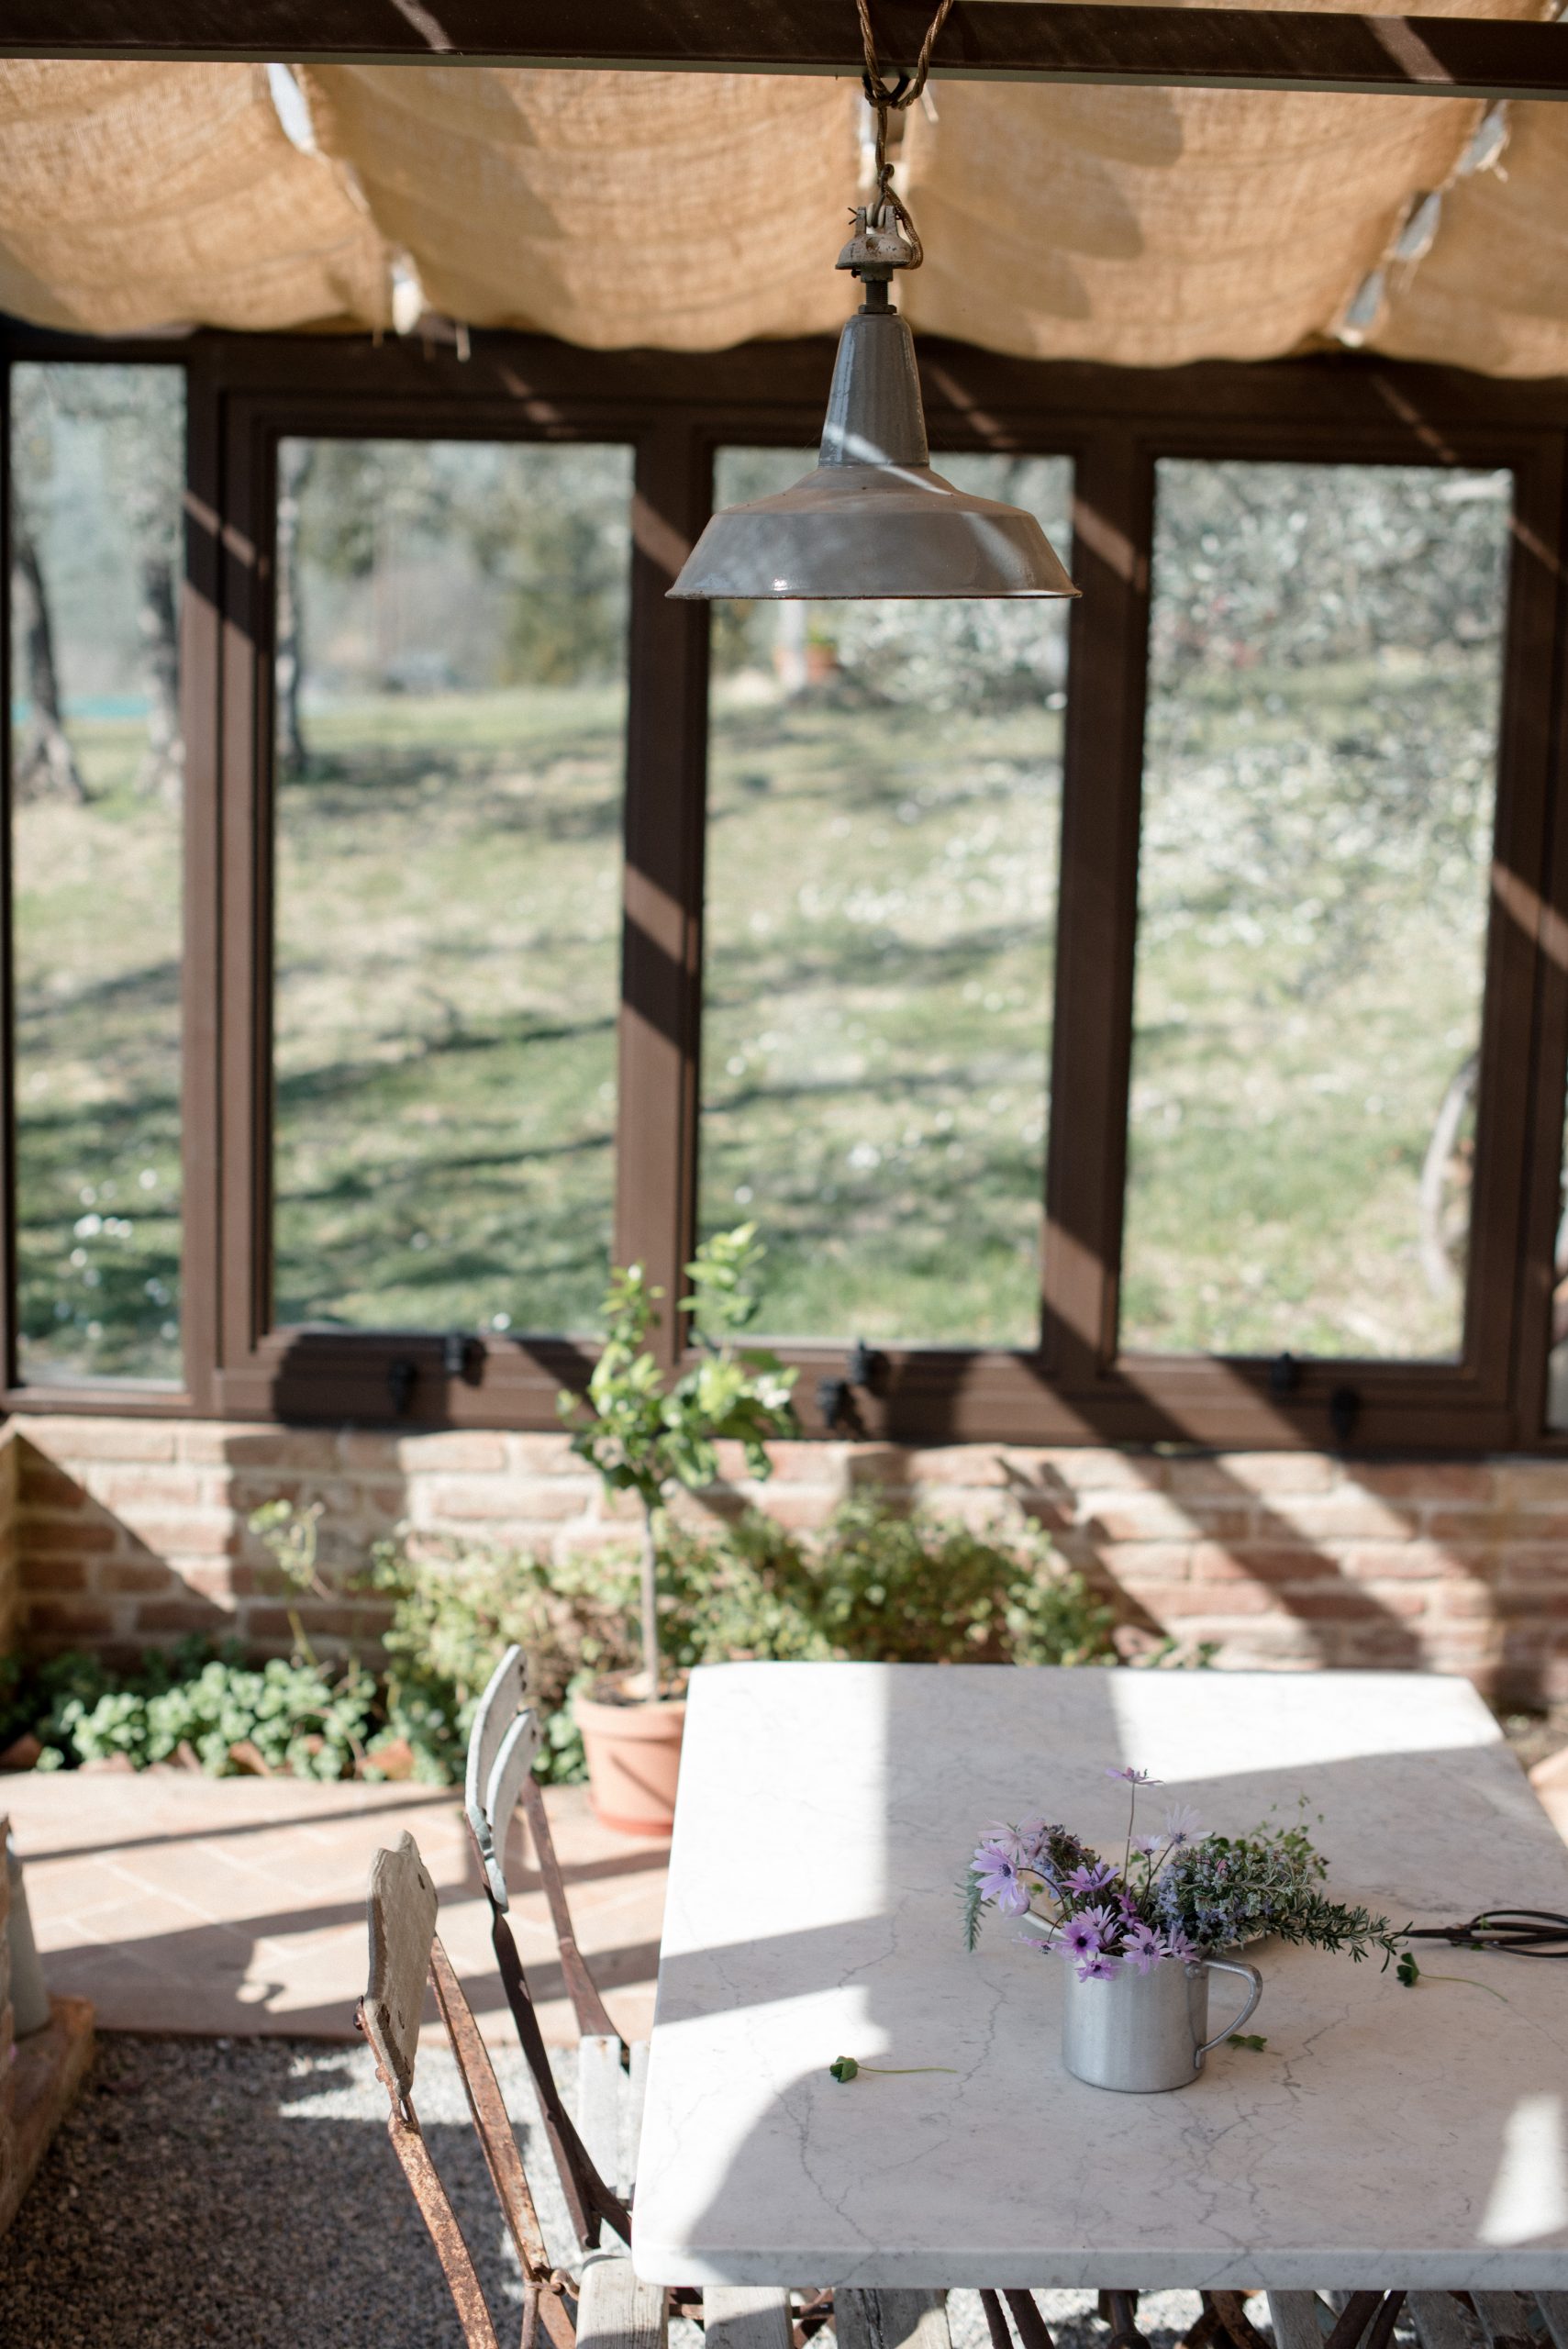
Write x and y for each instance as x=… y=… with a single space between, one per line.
x=634 y=1759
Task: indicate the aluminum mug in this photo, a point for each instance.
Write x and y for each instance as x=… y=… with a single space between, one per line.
x=1144 y=2033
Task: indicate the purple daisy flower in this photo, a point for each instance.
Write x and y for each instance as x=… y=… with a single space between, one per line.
x=998 y=1882
x=1080 y=1937
x=1181 y=1824
x=1176 y=1945
x=1143 y=1948
x=1134 y=1777
x=1099 y=1968
x=1090 y=1878
x=1007 y=1842
x=1104 y=1919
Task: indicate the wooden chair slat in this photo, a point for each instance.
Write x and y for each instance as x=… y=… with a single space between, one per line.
x=498 y=1709
x=1553 y=2307
x=402 y=1917
x=513 y=1765
x=601 y=2093
x=891 y=2320
x=615 y=2310
x=1439 y=2322
x=1300 y=2320
x=746 y=2316
x=631 y=2123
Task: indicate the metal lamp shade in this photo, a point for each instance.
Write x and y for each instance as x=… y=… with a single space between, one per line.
x=872 y=519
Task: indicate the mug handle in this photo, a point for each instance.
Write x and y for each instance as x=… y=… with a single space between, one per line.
x=1248 y=1974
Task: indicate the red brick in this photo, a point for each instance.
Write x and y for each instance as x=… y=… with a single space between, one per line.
x=1523 y=1568
x=1139 y=1516
x=35 y=1536
x=475 y=1499
x=469 y=1449
x=132 y=1490
x=1343 y=1516
x=808 y=1463
x=369 y=1449
x=1132 y=1561
x=1097 y=1468
x=1402 y=1599
x=178 y=1615
x=282 y=1448
x=1185 y=1598
x=329 y=1622
x=55 y=1574
x=1431 y=1561
x=1342 y=1605
x=189 y=1537
x=43 y=1486
x=1483 y=1522
x=69 y=1440
x=1532 y=1484
x=1245 y=1473
x=137 y=1575
x=225 y=1578
x=1427 y=1481
x=72 y=1619
x=1216 y=1521
x=1269 y=1562
x=958 y=1464
x=543 y=1454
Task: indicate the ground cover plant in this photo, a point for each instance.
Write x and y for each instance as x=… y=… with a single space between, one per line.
x=875 y=1585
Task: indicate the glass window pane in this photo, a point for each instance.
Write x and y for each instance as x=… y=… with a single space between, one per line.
x=883 y=798
x=99 y=476
x=451 y=720
x=1318 y=785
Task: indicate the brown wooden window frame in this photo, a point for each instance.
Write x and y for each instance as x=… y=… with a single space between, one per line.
x=245 y=394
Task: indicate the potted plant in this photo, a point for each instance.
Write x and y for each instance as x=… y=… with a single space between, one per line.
x=646 y=1438
x=1141 y=1938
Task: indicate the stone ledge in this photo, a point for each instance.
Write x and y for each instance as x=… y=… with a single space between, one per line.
x=48 y=2068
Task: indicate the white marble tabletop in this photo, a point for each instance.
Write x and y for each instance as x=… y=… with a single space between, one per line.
x=1383 y=2136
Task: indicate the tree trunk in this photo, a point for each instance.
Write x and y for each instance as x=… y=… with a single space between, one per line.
x=162 y=772
x=45 y=766
x=294 y=462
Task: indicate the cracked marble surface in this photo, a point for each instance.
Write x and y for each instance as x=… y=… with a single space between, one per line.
x=1384 y=2136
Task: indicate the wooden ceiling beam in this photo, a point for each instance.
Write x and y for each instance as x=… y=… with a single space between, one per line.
x=983 y=40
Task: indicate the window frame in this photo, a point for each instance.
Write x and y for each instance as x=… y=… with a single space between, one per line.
x=675 y=410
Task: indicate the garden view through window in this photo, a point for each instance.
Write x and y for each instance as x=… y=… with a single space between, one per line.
x=1320 y=774
x=883 y=803
x=98 y=774
x=450 y=717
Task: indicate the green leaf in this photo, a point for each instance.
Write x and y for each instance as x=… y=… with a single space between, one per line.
x=843 y=2068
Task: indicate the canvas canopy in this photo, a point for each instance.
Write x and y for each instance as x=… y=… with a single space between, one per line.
x=1142 y=226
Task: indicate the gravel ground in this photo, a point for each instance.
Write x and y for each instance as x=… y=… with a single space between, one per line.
x=243 y=2192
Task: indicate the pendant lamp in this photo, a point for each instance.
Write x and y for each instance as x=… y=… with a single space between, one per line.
x=874 y=519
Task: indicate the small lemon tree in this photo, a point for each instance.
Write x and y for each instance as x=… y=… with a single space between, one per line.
x=646 y=1438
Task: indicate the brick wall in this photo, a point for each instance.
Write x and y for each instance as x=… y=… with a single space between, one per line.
x=128 y=1533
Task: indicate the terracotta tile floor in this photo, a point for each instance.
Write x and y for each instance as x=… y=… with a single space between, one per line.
x=235 y=1907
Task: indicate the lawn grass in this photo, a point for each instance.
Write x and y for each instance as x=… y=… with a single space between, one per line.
x=96 y=920
x=881 y=926
x=880 y=936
